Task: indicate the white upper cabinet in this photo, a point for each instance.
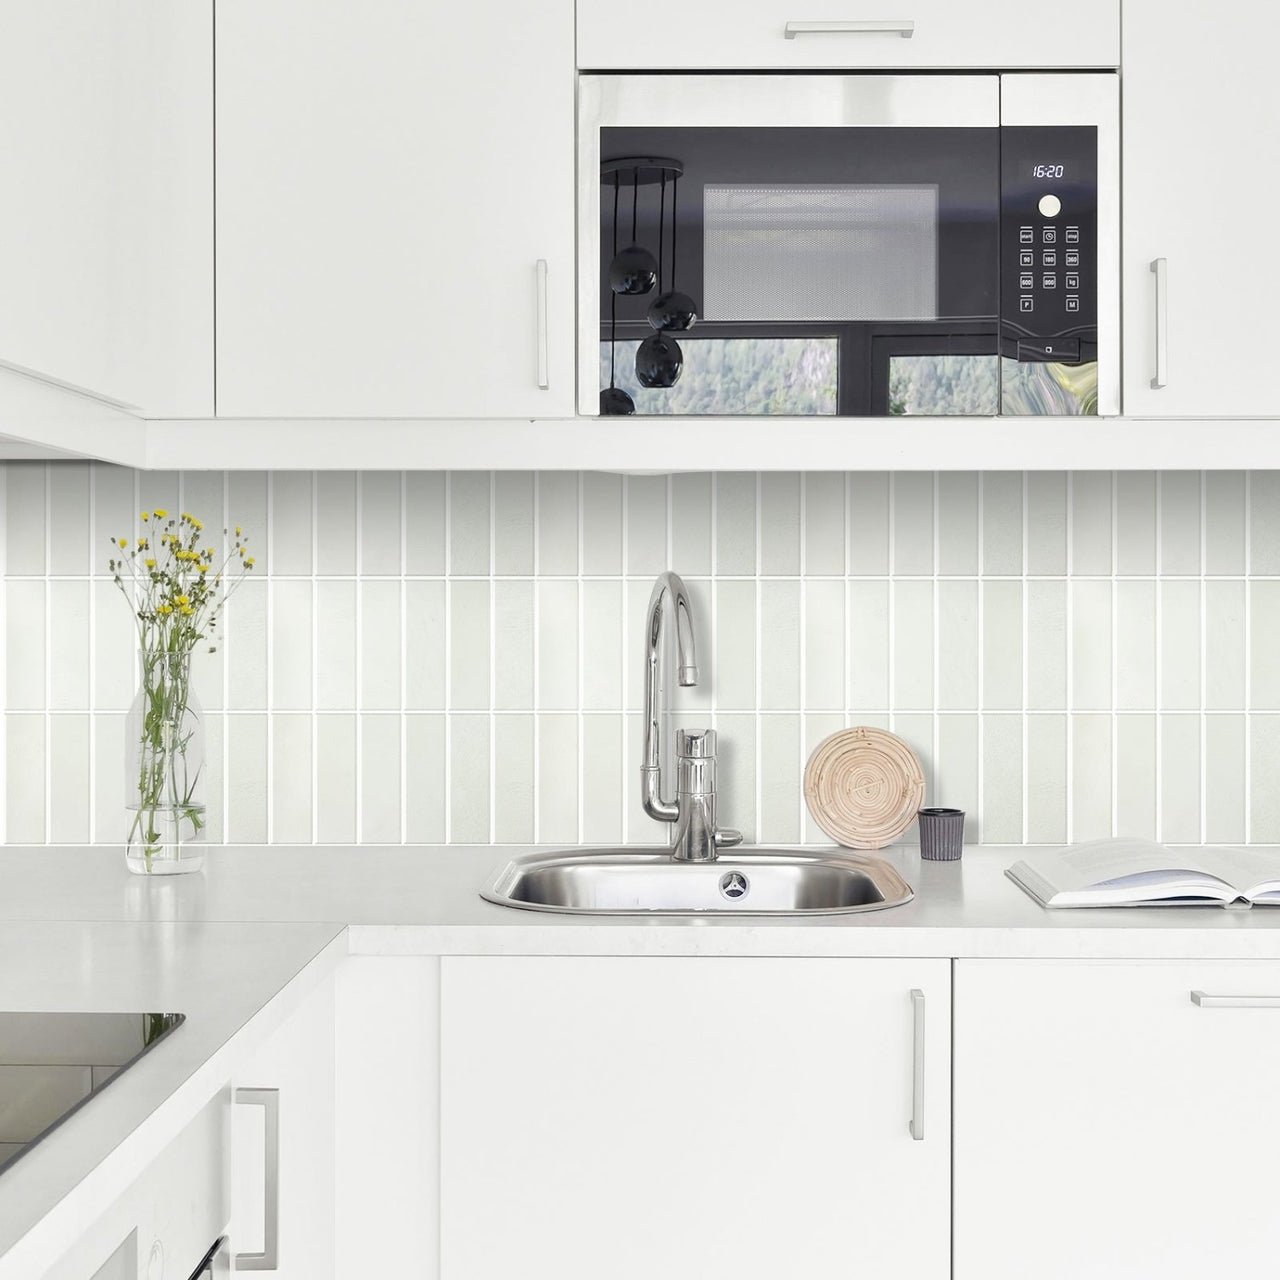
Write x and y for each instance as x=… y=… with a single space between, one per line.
x=106 y=223
x=1201 y=136
x=1107 y=1124
x=395 y=208
x=645 y=1117
x=849 y=34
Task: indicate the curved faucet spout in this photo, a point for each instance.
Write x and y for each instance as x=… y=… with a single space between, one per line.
x=668 y=587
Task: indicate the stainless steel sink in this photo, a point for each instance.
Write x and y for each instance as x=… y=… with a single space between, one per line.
x=749 y=882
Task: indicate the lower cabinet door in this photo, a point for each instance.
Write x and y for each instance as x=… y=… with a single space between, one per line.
x=1109 y=1124
x=282 y=1192
x=694 y=1118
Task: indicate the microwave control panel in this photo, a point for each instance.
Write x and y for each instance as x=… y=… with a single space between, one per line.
x=1049 y=243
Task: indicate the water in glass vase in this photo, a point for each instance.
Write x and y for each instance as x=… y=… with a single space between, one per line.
x=164 y=769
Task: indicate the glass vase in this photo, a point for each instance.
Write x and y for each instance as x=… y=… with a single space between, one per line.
x=164 y=769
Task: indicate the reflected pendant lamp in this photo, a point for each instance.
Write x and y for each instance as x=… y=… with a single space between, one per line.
x=614 y=402
x=672 y=311
x=633 y=271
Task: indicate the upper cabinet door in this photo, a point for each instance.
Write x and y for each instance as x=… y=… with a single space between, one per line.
x=850 y=35
x=645 y=1118
x=106 y=223
x=1201 y=127
x=395 y=208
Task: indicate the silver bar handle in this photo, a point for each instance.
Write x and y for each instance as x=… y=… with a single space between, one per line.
x=903 y=27
x=916 y=1126
x=544 y=377
x=269 y=1258
x=1206 y=1001
x=1160 y=269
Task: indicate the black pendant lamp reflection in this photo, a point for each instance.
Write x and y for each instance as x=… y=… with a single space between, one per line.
x=614 y=402
x=633 y=271
x=673 y=311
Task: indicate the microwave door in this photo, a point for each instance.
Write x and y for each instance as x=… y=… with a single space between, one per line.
x=1059 y=247
x=837 y=238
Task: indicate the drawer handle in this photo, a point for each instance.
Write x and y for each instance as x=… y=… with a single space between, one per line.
x=544 y=377
x=916 y=1125
x=269 y=1258
x=1160 y=269
x=903 y=27
x=1206 y=1001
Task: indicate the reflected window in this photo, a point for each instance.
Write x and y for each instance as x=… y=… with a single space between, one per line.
x=787 y=376
x=944 y=385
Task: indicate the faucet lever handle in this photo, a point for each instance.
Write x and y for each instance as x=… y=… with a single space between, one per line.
x=696 y=744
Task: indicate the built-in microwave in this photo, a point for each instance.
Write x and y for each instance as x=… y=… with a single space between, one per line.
x=849 y=244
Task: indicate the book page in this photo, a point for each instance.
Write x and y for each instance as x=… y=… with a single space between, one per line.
x=1252 y=871
x=1116 y=863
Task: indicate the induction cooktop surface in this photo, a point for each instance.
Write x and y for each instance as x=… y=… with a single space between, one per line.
x=51 y=1064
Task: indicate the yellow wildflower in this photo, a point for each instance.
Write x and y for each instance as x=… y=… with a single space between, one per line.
x=146 y=515
x=151 y=564
x=160 y=515
x=164 y=608
x=197 y=524
x=187 y=609
x=202 y=568
x=248 y=564
x=184 y=599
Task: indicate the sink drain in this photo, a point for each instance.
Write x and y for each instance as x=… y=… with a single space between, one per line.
x=734 y=885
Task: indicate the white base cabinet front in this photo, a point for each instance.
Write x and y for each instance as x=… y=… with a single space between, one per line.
x=296 y=1068
x=1107 y=1124
x=717 y=1118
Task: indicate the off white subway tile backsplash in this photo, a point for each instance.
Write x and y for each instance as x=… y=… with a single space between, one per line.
x=434 y=658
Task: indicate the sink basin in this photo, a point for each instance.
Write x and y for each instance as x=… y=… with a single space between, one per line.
x=741 y=882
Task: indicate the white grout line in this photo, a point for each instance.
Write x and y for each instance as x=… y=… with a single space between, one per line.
x=1249 y=718
x=1070 y=627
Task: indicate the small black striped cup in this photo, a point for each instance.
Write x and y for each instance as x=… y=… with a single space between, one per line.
x=941 y=834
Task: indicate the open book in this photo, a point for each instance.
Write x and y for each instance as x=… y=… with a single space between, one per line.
x=1140 y=873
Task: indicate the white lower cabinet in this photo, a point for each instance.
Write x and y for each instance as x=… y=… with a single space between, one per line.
x=1107 y=1124
x=292 y=1074
x=717 y=1118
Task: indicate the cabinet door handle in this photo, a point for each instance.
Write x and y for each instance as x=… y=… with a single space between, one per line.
x=895 y=27
x=916 y=1125
x=269 y=1258
x=544 y=377
x=1160 y=269
x=1206 y=1001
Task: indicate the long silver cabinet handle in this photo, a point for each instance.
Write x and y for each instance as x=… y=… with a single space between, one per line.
x=895 y=27
x=269 y=1258
x=544 y=377
x=916 y=1125
x=1206 y=1001
x=1160 y=269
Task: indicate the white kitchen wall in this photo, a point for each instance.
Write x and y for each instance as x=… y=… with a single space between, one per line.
x=433 y=658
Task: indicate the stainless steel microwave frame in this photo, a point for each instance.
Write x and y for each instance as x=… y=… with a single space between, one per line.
x=837 y=100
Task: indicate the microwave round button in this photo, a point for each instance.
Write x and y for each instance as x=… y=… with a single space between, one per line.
x=1050 y=206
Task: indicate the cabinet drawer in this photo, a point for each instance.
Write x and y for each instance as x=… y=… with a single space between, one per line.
x=721 y=34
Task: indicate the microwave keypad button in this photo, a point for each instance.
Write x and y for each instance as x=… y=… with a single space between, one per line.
x=1073 y=257
x=1048 y=280
x=1073 y=235
x=1049 y=258
x=1072 y=281
x=1026 y=235
x=1050 y=206
x=1026 y=280
x=1026 y=258
x=1026 y=304
x=1049 y=235
x=1073 y=303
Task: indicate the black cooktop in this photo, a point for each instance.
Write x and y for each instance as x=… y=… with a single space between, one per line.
x=51 y=1064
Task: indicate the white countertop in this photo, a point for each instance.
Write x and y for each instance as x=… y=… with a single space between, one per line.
x=236 y=947
x=425 y=900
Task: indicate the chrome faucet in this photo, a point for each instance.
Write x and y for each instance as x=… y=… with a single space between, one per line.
x=695 y=837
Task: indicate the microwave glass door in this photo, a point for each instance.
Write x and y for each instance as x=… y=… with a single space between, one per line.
x=840 y=239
